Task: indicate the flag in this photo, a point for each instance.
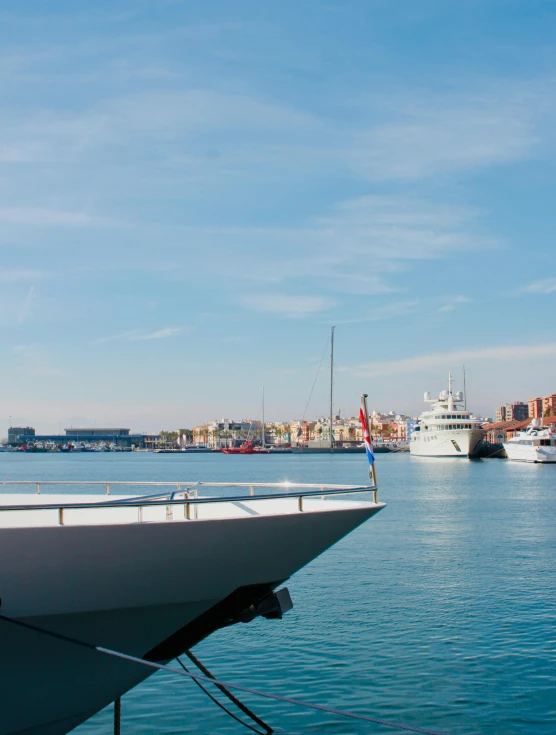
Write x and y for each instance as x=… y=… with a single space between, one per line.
x=367 y=437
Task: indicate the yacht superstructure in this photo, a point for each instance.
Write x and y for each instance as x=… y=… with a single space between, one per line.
x=447 y=429
x=147 y=575
x=536 y=444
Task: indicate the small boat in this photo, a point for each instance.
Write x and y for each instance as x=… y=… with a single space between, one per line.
x=536 y=444
x=245 y=448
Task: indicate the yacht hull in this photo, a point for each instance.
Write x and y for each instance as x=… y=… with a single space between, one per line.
x=458 y=443
x=528 y=453
x=130 y=588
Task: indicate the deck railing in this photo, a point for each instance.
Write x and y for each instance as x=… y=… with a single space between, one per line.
x=186 y=494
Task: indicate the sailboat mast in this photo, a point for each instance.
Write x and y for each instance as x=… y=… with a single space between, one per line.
x=331 y=387
x=262 y=425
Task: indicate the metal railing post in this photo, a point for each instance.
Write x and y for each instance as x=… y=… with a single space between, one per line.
x=108 y=488
x=60 y=516
x=38 y=487
x=300 y=502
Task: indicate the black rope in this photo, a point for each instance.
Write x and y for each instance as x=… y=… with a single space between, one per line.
x=219 y=704
x=228 y=685
x=238 y=703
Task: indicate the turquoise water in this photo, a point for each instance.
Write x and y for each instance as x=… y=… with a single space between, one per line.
x=439 y=612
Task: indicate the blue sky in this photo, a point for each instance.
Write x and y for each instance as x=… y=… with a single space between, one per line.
x=192 y=193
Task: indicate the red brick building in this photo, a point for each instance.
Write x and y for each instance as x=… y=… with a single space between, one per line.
x=549 y=405
x=535 y=408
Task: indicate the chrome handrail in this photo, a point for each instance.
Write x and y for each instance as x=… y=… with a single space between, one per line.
x=167 y=500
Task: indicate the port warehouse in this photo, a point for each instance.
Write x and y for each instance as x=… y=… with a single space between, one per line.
x=119 y=437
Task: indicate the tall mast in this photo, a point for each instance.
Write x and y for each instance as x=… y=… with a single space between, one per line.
x=262 y=425
x=331 y=387
x=464 y=391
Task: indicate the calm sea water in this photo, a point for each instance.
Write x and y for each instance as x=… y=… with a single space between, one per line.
x=439 y=612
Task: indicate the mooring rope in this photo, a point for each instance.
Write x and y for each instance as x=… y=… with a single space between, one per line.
x=227 y=685
x=223 y=707
x=238 y=703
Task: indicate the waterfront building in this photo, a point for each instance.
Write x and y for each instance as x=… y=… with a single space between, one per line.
x=549 y=405
x=517 y=411
x=122 y=438
x=535 y=408
x=226 y=432
x=14 y=432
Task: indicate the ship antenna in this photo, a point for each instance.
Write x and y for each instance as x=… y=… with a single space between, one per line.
x=464 y=391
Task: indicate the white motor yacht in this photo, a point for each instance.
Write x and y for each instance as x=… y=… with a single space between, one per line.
x=146 y=575
x=447 y=429
x=537 y=443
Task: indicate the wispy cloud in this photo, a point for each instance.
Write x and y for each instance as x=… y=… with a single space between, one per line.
x=19 y=275
x=453 y=302
x=446 y=133
x=135 y=335
x=388 y=311
x=287 y=304
x=544 y=286
x=42 y=217
x=447 y=359
x=35 y=361
x=159 y=334
x=26 y=306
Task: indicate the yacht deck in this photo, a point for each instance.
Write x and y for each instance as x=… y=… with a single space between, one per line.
x=184 y=503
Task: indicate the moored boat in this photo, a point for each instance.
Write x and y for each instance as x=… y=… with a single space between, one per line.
x=447 y=429
x=536 y=444
x=246 y=448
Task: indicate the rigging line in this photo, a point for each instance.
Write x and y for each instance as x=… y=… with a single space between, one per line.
x=315 y=380
x=228 y=685
x=219 y=704
x=238 y=703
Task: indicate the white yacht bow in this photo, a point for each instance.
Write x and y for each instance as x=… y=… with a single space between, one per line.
x=150 y=576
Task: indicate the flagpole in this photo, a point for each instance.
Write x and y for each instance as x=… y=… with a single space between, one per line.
x=372 y=470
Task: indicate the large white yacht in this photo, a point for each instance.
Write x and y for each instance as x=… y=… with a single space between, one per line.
x=447 y=429
x=146 y=575
x=536 y=444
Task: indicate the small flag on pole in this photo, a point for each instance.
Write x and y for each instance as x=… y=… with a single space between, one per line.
x=366 y=436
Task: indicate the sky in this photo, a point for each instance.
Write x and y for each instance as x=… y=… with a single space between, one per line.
x=192 y=193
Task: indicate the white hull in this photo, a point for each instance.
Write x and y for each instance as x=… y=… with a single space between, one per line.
x=457 y=443
x=527 y=453
x=130 y=587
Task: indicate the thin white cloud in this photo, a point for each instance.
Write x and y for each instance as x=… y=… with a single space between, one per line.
x=453 y=302
x=446 y=133
x=20 y=275
x=42 y=217
x=544 y=286
x=26 y=306
x=508 y=353
x=159 y=334
x=287 y=304
x=35 y=361
x=135 y=335
x=388 y=311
